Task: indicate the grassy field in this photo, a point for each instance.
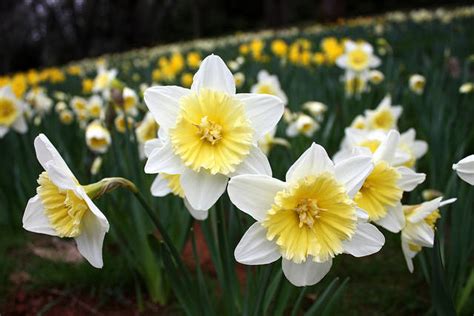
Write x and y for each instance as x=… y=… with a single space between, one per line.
x=435 y=44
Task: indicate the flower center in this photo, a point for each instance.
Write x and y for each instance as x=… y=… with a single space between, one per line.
x=265 y=89
x=379 y=191
x=63 y=208
x=8 y=112
x=209 y=131
x=371 y=144
x=358 y=59
x=212 y=131
x=383 y=119
x=311 y=218
x=308 y=211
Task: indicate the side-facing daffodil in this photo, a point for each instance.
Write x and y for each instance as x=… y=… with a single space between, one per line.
x=419 y=229
x=307 y=220
x=210 y=133
x=385 y=116
x=381 y=193
x=63 y=207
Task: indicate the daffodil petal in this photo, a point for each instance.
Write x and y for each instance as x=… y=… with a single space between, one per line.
x=163 y=159
x=214 y=74
x=35 y=219
x=47 y=153
x=408 y=254
x=151 y=145
x=409 y=179
x=306 y=273
x=386 y=150
x=59 y=177
x=254 y=194
x=160 y=187
x=163 y=103
x=353 y=171
x=394 y=221
x=263 y=110
x=90 y=241
x=255 y=163
x=421 y=234
x=102 y=220
x=200 y=215
x=313 y=161
x=20 y=125
x=465 y=169
x=367 y=240
x=254 y=248
x=202 y=189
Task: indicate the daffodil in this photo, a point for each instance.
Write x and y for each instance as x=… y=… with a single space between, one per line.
x=358 y=57
x=302 y=125
x=95 y=107
x=103 y=79
x=316 y=109
x=385 y=116
x=98 y=138
x=376 y=77
x=381 y=193
x=209 y=132
x=465 y=169
x=165 y=183
x=419 y=228
x=269 y=140
x=417 y=83
x=62 y=207
x=130 y=101
x=39 y=101
x=467 y=87
x=408 y=151
x=239 y=78
x=269 y=84
x=11 y=112
x=307 y=220
x=355 y=83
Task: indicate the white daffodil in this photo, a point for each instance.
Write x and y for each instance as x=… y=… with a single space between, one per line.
x=62 y=206
x=79 y=106
x=165 y=183
x=130 y=101
x=98 y=138
x=95 y=107
x=419 y=227
x=303 y=124
x=269 y=84
x=210 y=133
x=358 y=57
x=376 y=77
x=385 y=116
x=381 y=193
x=355 y=83
x=39 y=101
x=360 y=122
x=408 y=151
x=316 y=109
x=307 y=220
x=467 y=87
x=239 y=78
x=413 y=147
x=417 y=83
x=11 y=112
x=145 y=131
x=103 y=79
x=269 y=140
x=465 y=169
